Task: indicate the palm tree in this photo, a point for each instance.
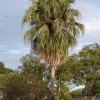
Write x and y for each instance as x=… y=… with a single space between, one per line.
x=54 y=28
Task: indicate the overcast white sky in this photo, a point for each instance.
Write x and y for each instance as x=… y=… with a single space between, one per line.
x=12 y=47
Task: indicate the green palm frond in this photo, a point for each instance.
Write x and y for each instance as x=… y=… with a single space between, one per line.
x=31 y=15
x=80 y=27
x=29 y=35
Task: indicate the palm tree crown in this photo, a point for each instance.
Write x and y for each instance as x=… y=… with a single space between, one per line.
x=54 y=28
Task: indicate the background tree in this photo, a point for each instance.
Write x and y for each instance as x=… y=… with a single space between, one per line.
x=53 y=30
x=83 y=69
x=27 y=83
x=33 y=65
x=63 y=78
x=3 y=69
x=77 y=94
x=24 y=88
x=90 y=59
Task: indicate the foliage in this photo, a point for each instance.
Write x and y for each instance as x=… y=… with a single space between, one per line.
x=22 y=87
x=71 y=71
x=77 y=93
x=82 y=69
x=33 y=65
x=27 y=83
x=90 y=59
x=63 y=93
x=3 y=69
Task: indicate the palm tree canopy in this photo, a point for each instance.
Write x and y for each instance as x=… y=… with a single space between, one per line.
x=54 y=28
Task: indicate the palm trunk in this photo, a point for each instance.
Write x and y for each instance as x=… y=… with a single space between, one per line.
x=59 y=89
x=92 y=97
x=3 y=95
x=52 y=81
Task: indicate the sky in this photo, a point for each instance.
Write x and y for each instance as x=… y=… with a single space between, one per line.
x=12 y=47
